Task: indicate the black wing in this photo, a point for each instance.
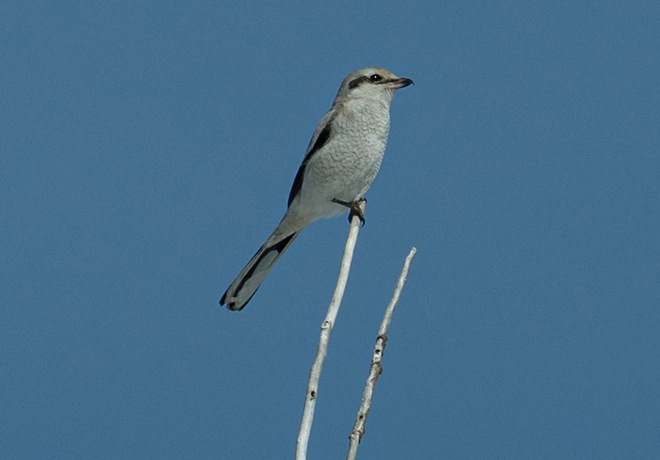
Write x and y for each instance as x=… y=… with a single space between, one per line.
x=321 y=140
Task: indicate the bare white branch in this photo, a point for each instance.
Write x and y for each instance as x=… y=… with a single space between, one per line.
x=376 y=368
x=324 y=338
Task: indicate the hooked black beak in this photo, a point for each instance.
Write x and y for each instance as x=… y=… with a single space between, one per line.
x=398 y=83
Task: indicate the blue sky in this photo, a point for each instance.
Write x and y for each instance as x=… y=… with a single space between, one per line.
x=147 y=149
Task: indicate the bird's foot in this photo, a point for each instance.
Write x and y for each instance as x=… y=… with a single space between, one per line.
x=355 y=207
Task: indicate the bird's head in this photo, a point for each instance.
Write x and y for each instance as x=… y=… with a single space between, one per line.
x=372 y=83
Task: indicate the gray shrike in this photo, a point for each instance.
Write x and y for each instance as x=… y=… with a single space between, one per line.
x=340 y=164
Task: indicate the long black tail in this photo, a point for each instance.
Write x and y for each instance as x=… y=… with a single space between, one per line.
x=250 y=278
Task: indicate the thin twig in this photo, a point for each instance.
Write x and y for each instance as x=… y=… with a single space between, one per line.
x=324 y=338
x=376 y=368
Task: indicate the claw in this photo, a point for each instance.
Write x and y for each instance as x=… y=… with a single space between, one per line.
x=355 y=208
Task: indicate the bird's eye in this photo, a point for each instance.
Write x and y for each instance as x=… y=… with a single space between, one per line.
x=375 y=77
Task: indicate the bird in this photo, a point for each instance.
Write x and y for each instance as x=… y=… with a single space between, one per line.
x=340 y=164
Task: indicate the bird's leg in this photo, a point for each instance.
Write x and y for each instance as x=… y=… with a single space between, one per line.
x=355 y=208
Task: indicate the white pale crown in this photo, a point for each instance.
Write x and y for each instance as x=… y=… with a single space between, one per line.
x=373 y=83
